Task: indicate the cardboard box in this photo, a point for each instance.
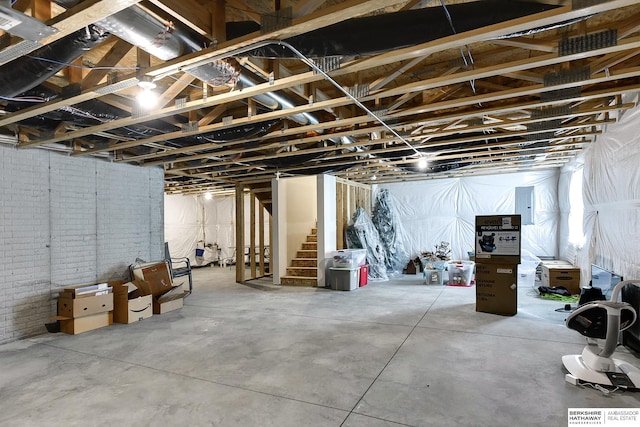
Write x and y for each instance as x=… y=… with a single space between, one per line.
x=167 y=306
x=155 y=278
x=496 y=289
x=497 y=239
x=71 y=307
x=172 y=300
x=82 y=291
x=567 y=276
x=86 y=323
x=127 y=308
x=556 y=262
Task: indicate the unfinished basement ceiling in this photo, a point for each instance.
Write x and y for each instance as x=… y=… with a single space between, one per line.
x=359 y=89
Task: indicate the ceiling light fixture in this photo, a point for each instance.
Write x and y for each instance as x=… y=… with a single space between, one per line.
x=422 y=163
x=147 y=98
x=146 y=82
x=208 y=196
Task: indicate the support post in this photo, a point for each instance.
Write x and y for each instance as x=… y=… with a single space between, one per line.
x=240 y=233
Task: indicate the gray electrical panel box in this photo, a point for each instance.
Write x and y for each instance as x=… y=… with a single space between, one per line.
x=525 y=204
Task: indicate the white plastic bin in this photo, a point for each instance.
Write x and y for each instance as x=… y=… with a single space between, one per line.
x=433 y=277
x=460 y=273
x=527 y=269
x=349 y=258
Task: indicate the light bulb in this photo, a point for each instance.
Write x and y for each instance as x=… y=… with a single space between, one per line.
x=422 y=163
x=208 y=196
x=147 y=98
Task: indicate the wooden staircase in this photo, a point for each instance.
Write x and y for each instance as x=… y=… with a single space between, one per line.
x=304 y=267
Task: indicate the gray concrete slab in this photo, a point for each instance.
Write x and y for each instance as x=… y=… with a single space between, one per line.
x=389 y=354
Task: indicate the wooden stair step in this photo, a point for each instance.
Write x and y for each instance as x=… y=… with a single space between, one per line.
x=302 y=271
x=307 y=254
x=312 y=238
x=310 y=246
x=304 y=262
x=298 y=281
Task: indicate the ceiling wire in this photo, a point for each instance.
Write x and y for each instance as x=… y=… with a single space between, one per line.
x=311 y=64
x=315 y=67
x=464 y=57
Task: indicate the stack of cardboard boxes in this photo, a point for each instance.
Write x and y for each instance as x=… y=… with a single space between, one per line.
x=497 y=256
x=154 y=279
x=87 y=307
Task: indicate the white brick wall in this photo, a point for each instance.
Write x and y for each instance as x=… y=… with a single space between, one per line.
x=67 y=220
x=73 y=220
x=25 y=237
x=130 y=206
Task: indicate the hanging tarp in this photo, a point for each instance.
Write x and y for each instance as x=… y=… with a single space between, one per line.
x=362 y=234
x=611 y=180
x=392 y=233
x=444 y=210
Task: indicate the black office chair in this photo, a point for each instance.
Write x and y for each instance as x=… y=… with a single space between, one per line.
x=178 y=267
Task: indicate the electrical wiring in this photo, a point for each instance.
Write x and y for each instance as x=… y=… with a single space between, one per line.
x=601 y=389
x=35 y=99
x=464 y=58
x=87 y=115
x=86 y=67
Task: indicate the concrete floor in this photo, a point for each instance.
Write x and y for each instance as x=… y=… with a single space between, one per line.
x=389 y=354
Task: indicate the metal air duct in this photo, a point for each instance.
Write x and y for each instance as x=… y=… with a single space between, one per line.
x=27 y=72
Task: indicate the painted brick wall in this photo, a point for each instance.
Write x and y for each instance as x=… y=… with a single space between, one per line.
x=73 y=220
x=26 y=270
x=66 y=221
x=130 y=217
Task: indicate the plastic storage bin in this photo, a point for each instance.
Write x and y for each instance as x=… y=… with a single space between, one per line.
x=344 y=279
x=460 y=273
x=527 y=269
x=349 y=258
x=364 y=275
x=433 y=277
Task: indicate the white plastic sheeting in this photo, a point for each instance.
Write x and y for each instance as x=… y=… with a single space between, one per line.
x=612 y=198
x=433 y=211
x=182 y=225
x=194 y=222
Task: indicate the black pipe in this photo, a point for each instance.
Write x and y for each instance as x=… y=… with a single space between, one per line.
x=29 y=71
x=382 y=33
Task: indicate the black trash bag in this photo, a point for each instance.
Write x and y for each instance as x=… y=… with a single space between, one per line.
x=558 y=290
